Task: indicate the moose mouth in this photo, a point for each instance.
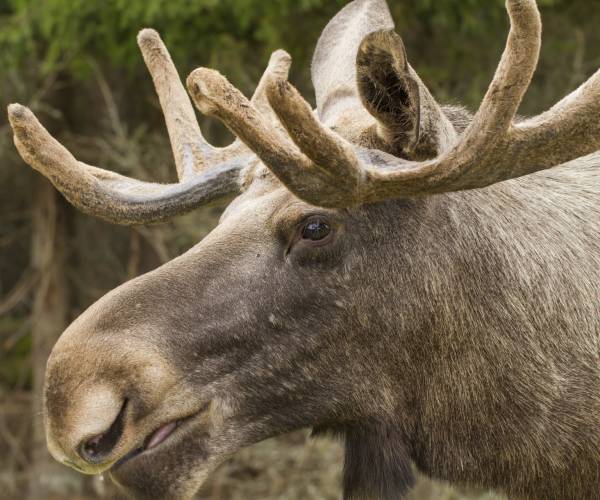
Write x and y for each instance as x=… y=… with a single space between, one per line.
x=159 y=436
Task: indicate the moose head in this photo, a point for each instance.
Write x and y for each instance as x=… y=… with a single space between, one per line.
x=373 y=278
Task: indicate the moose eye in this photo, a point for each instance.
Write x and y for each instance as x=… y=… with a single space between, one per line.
x=316 y=229
x=313 y=240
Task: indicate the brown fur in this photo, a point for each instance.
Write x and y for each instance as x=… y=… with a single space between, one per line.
x=478 y=344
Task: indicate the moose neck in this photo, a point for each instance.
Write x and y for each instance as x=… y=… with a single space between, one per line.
x=471 y=355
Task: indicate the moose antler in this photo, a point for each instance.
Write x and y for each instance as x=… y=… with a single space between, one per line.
x=205 y=173
x=317 y=164
x=323 y=169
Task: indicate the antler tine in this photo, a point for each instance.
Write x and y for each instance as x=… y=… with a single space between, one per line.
x=215 y=96
x=574 y=121
x=328 y=151
x=124 y=200
x=305 y=172
x=514 y=72
x=279 y=63
x=190 y=149
x=279 y=66
x=45 y=154
x=108 y=195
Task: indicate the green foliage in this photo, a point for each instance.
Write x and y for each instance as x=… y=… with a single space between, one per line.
x=234 y=35
x=14 y=353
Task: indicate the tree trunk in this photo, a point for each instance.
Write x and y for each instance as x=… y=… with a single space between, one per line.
x=49 y=318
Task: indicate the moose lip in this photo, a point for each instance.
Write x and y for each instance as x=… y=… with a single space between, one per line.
x=151 y=441
x=161 y=434
x=157 y=437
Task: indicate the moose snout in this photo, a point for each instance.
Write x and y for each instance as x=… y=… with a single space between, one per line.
x=111 y=391
x=107 y=391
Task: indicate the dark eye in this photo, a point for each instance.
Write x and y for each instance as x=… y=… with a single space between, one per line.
x=315 y=230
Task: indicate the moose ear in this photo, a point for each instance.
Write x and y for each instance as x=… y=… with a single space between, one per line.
x=410 y=123
x=388 y=90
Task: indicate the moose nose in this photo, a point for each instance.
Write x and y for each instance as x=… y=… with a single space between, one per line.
x=89 y=433
x=98 y=448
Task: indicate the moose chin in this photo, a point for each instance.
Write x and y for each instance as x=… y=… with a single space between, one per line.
x=421 y=281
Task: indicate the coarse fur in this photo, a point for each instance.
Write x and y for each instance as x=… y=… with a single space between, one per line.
x=456 y=330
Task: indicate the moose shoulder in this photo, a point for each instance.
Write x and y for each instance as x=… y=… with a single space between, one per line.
x=388 y=271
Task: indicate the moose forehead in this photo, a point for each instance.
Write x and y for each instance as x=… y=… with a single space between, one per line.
x=262 y=196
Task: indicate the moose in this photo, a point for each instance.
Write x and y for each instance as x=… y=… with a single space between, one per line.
x=422 y=282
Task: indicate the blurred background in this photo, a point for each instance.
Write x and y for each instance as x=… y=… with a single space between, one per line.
x=76 y=64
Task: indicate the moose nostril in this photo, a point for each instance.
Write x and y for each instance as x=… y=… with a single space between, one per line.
x=96 y=449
